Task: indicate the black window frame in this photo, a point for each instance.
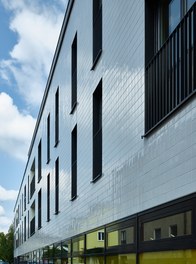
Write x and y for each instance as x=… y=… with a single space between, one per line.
x=25 y=198
x=97 y=31
x=74 y=163
x=74 y=74
x=57 y=117
x=97 y=132
x=48 y=138
x=25 y=228
x=57 y=186
x=39 y=161
x=48 y=197
x=39 y=208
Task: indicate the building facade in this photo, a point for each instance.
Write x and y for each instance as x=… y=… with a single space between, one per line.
x=110 y=176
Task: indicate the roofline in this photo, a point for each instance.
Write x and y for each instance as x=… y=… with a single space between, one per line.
x=54 y=61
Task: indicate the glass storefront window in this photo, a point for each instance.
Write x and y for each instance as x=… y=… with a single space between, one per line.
x=95 y=260
x=121 y=236
x=38 y=255
x=45 y=255
x=168 y=257
x=95 y=241
x=57 y=250
x=78 y=260
x=121 y=259
x=35 y=257
x=78 y=245
x=168 y=227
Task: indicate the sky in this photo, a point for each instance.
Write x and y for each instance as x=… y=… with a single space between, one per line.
x=29 y=30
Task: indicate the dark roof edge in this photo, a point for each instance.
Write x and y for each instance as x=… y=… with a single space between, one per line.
x=54 y=61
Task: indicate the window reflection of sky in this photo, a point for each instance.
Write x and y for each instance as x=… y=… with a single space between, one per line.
x=190 y=3
x=174 y=14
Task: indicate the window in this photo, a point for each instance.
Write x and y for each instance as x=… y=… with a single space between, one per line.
x=32 y=181
x=48 y=138
x=158 y=229
x=40 y=161
x=97 y=132
x=121 y=258
x=174 y=14
x=78 y=246
x=170 y=60
x=28 y=189
x=57 y=117
x=57 y=186
x=120 y=236
x=28 y=225
x=173 y=230
x=190 y=3
x=48 y=197
x=100 y=235
x=32 y=219
x=97 y=30
x=25 y=198
x=25 y=229
x=22 y=203
x=123 y=237
x=39 y=209
x=157 y=233
x=74 y=163
x=74 y=74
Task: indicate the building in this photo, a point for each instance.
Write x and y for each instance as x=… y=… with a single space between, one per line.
x=110 y=176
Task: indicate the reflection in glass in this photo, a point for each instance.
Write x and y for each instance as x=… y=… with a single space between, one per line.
x=120 y=237
x=95 y=260
x=78 y=260
x=190 y=3
x=174 y=14
x=121 y=259
x=78 y=245
x=95 y=242
x=168 y=257
x=168 y=227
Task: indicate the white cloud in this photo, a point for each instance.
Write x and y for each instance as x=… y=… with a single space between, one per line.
x=37 y=24
x=16 y=128
x=5 y=223
x=2 y=211
x=7 y=195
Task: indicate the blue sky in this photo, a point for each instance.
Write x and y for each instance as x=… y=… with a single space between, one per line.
x=29 y=32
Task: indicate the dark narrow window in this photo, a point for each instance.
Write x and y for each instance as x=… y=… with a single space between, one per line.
x=39 y=209
x=57 y=186
x=32 y=180
x=48 y=197
x=48 y=138
x=22 y=203
x=22 y=237
x=28 y=189
x=157 y=233
x=74 y=163
x=57 y=117
x=74 y=74
x=28 y=226
x=25 y=229
x=97 y=30
x=25 y=198
x=40 y=161
x=97 y=132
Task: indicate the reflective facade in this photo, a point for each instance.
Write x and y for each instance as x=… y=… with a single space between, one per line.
x=110 y=176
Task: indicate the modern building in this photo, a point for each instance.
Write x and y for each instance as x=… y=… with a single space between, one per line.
x=111 y=170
